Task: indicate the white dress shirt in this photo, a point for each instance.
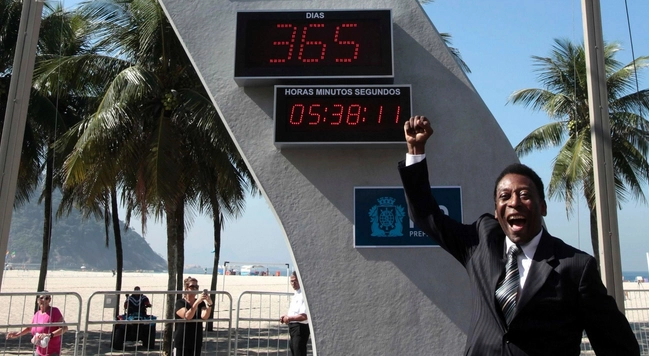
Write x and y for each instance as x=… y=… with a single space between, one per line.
x=525 y=259
x=297 y=306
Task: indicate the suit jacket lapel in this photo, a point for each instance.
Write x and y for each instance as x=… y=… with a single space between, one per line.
x=540 y=269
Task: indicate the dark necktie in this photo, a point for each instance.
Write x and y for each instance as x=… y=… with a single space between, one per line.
x=508 y=286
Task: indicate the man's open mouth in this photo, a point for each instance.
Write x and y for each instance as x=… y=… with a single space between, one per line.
x=516 y=222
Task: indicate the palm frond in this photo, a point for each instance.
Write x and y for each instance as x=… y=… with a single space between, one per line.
x=564 y=97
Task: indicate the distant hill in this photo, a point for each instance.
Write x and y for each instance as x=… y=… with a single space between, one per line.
x=75 y=242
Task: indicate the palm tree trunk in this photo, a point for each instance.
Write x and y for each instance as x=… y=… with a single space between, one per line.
x=47 y=220
x=119 y=254
x=171 y=281
x=216 y=220
x=179 y=218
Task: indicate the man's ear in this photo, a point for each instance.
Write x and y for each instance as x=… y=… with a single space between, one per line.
x=544 y=208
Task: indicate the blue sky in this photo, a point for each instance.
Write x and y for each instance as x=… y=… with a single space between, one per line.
x=497 y=40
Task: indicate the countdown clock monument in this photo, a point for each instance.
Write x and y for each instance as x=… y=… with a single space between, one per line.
x=315 y=93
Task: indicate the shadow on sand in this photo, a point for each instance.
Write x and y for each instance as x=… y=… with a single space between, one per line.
x=216 y=343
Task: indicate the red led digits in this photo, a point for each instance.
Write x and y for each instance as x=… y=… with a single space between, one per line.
x=290 y=44
x=354 y=114
x=304 y=42
x=291 y=119
x=347 y=48
x=347 y=43
x=339 y=114
x=336 y=44
x=314 y=114
x=345 y=114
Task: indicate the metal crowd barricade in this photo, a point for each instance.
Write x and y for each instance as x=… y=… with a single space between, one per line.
x=101 y=323
x=17 y=312
x=258 y=328
x=636 y=307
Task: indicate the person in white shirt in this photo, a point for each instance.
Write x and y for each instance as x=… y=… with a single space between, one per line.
x=297 y=320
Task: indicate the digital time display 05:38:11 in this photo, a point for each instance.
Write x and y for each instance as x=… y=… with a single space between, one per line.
x=314 y=44
x=363 y=114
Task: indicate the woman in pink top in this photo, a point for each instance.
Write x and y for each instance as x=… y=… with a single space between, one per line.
x=46 y=338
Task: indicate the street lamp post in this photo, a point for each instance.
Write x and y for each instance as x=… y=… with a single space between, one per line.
x=600 y=128
x=13 y=129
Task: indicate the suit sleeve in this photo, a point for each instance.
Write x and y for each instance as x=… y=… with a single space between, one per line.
x=455 y=237
x=607 y=328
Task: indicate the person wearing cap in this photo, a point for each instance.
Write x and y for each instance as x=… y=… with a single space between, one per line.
x=46 y=338
x=137 y=303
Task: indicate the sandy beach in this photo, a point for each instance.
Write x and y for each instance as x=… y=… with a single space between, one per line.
x=85 y=284
x=75 y=292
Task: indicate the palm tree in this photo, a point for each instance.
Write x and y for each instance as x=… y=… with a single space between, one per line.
x=55 y=106
x=9 y=21
x=455 y=52
x=52 y=108
x=55 y=74
x=96 y=198
x=155 y=128
x=142 y=127
x=564 y=97
x=222 y=191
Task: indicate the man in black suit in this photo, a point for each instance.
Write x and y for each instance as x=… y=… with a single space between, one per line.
x=556 y=293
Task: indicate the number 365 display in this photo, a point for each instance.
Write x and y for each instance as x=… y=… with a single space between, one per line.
x=314 y=44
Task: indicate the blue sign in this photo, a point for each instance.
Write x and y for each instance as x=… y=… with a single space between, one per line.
x=381 y=216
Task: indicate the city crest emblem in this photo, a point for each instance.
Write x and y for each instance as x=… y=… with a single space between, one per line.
x=386 y=218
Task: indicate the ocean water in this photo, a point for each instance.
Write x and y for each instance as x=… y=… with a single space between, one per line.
x=271 y=269
x=631 y=275
x=626 y=275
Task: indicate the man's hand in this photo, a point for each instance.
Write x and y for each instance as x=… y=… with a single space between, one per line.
x=417 y=131
x=283 y=319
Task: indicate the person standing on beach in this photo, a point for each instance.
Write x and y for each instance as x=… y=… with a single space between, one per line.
x=194 y=307
x=532 y=293
x=46 y=338
x=298 y=323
